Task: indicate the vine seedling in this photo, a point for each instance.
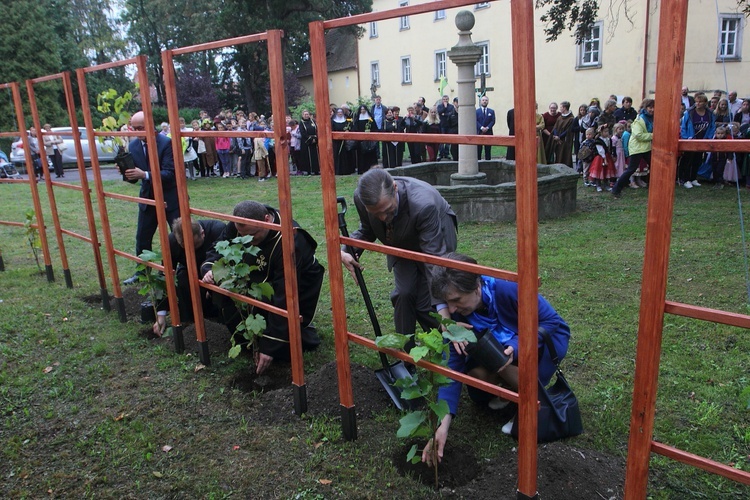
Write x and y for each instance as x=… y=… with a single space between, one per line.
x=430 y=346
x=153 y=283
x=32 y=236
x=232 y=273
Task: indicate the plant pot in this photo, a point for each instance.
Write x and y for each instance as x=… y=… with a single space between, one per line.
x=124 y=161
x=488 y=352
x=148 y=315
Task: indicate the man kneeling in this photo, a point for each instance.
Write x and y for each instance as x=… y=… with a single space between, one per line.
x=274 y=343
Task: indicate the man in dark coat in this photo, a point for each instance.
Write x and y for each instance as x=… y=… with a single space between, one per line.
x=407 y=213
x=204 y=235
x=274 y=344
x=147 y=220
x=444 y=110
x=485 y=122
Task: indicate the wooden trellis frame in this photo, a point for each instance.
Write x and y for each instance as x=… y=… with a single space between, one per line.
x=665 y=151
x=158 y=201
x=21 y=122
x=92 y=238
x=522 y=22
x=278 y=104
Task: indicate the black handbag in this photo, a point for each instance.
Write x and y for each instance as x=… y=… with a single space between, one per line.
x=559 y=415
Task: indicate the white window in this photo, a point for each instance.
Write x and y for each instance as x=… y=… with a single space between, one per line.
x=483 y=65
x=375 y=73
x=330 y=84
x=440 y=63
x=730 y=37
x=482 y=5
x=439 y=15
x=590 y=49
x=404 y=21
x=374 y=29
x=406 y=69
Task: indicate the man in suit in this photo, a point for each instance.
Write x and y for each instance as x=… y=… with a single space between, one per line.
x=444 y=110
x=407 y=213
x=147 y=221
x=485 y=122
x=203 y=234
x=687 y=100
x=510 y=118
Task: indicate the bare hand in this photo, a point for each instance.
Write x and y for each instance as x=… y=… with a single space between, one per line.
x=208 y=278
x=460 y=347
x=508 y=352
x=350 y=263
x=441 y=436
x=262 y=362
x=133 y=174
x=160 y=326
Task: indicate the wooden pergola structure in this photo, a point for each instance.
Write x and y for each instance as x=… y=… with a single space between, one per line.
x=272 y=39
x=31 y=181
x=92 y=238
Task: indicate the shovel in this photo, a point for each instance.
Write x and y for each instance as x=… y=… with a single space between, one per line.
x=390 y=372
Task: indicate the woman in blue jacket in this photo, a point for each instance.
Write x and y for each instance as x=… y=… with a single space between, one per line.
x=488 y=305
x=697 y=123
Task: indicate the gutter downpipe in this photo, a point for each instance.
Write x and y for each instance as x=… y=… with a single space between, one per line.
x=645 y=49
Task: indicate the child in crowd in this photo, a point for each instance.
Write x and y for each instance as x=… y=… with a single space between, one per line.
x=602 y=169
x=294 y=144
x=260 y=154
x=587 y=145
x=619 y=130
x=719 y=159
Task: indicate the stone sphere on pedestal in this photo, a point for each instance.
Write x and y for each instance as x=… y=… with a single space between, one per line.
x=464 y=20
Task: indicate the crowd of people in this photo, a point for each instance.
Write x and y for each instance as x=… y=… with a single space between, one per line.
x=611 y=146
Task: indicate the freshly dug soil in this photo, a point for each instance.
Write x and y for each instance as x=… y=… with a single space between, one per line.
x=563 y=472
x=458 y=466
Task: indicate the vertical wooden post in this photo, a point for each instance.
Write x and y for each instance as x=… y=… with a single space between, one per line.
x=670 y=65
x=32 y=180
x=278 y=105
x=328 y=183
x=100 y=198
x=522 y=23
x=85 y=191
x=158 y=191
x=48 y=182
x=184 y=202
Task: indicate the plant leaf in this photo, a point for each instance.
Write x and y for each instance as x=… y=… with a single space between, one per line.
x=392 y=340
x=235 y=351
x=458 y=333
x=411 y=454
x=419 y=352
x=410 y=423
x=440 y=409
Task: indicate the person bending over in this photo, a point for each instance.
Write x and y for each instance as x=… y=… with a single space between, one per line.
x=489 y=306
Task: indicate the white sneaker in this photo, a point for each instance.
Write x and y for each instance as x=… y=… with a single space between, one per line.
x=498 y=403
x=696 y=183
x=598 y=189
x=688 y=185
x=507 y=428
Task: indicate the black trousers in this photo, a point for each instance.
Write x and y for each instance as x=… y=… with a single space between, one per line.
x=147 y=225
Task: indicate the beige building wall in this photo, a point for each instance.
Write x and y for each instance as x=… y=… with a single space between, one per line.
x=560 y=74
x=343 y=86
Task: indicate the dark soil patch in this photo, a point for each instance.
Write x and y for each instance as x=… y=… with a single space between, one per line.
x=130 y=297
x=563 y=472
x=278 y=376
x=323 y=395
x=458 y=466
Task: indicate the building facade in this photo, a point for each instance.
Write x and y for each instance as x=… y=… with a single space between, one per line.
x=407 y=56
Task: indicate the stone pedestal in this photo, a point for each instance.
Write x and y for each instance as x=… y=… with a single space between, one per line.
x=465 y=55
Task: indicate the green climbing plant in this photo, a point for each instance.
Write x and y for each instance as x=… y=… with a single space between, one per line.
x=116 y=115
x=232 y=273
x=430 y=346
x=31 y=231
x=153 y=283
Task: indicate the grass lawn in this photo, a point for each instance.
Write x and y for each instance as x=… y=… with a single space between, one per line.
x=88 y=404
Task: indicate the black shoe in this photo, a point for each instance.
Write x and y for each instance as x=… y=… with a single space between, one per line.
x=132 y=280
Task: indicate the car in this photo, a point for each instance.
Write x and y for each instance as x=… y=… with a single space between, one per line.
x=106 y=150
